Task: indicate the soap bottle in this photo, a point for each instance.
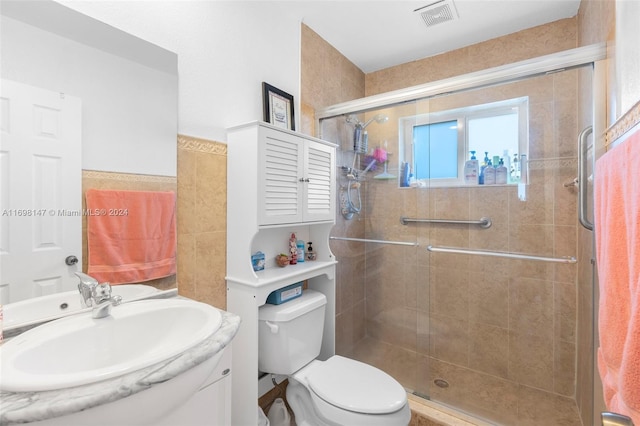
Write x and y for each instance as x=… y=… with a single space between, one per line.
x=485 y=162
x=311 y=255
x=501 y=173
x=489 y=174
x=300 y=251
x=471 y=170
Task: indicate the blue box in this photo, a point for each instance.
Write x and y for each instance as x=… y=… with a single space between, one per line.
x=257 y=261
x=285 y=294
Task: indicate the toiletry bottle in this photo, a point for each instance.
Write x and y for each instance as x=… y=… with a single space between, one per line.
x=515 y=169
x=501 y=173
x=471 y=170
x=485 y=163
x=300 y=251
x=357 y=138
x=507 y=163
x=364 y=146
x=293 y=250
x=311 y=255
x=404 y=174
x=489 y=174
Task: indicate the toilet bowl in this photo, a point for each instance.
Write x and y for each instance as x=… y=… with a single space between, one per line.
x=342 y=391
x=338 y=391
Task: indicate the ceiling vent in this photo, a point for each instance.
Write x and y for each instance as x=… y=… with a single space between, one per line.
x=438 y=12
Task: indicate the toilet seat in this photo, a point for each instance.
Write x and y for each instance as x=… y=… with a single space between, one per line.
x=355 y=386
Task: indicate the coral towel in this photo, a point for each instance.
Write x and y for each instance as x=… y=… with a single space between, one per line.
x=617 y=227
x=131 y=235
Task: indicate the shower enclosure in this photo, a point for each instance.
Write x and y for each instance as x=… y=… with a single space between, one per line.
x=468 y=294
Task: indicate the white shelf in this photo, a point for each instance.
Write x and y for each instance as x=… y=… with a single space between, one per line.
x=291 y=273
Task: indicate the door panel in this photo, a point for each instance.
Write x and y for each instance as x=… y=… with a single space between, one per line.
x=40 y=192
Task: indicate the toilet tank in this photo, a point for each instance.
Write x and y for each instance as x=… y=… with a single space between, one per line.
x=290 y=334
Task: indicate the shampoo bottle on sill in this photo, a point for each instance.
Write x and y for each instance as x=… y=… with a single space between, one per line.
x=501 y=173
x=489 y=174
x=471 y=170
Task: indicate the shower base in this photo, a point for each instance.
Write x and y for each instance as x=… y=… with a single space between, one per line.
x=472 y=398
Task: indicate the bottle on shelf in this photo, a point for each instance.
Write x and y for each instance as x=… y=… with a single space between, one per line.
x=490 y=174
x=300 y=251
x=483 y=166
x=501 y=173
x=471 y=170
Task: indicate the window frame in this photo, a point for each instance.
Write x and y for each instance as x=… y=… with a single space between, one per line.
x=462 y=117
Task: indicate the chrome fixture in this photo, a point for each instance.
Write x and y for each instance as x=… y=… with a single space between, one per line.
x=96 y=295
x=456 y=250
x=484 y=222
x=582 y=178
x=366 y=240
x=615 y=419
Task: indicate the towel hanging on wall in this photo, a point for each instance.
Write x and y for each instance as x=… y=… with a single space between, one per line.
x=131 y=235
x=617 y=228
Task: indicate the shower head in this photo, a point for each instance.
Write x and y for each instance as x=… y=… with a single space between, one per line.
x=378 y=118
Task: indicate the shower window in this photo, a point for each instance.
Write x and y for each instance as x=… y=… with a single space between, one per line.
x=436 y=145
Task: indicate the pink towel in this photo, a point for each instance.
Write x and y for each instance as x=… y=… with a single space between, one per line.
x=617 y=227
x=131 y=235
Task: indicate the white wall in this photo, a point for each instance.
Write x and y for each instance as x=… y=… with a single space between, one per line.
x=129 y=110
x=225 y=50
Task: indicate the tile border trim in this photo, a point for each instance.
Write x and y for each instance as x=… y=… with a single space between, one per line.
x=190 y=143
x=623 y=124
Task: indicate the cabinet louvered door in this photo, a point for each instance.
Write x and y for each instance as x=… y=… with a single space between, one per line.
x=279 y=186
x=319 y=196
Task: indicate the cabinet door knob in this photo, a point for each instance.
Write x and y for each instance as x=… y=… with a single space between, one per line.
x=301 y=180
x=307 y=180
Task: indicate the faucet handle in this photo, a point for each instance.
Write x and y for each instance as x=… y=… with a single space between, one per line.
x=101 y=292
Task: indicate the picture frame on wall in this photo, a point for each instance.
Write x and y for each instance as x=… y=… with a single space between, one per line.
x=278 y=107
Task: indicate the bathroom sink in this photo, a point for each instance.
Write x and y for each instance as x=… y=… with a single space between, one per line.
x=79 y=350
x=58 y=305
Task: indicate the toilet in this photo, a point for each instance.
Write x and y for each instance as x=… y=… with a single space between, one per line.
x=337 y=392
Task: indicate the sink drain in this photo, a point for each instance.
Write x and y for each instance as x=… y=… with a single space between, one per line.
x=441 y=383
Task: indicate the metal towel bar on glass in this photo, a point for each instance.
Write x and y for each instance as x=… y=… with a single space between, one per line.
x=364 y=240
x=484 y=222
x=565 y=259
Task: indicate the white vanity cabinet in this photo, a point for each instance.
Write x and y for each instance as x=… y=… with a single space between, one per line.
x=279 y=182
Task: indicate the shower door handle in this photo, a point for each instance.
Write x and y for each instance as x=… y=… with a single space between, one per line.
x=582 y=178
x=615 y=419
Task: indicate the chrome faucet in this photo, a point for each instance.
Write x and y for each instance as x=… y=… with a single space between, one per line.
x=96 y=295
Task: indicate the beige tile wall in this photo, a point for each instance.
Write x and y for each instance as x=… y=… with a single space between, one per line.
x=202 y=220
x=92 y=179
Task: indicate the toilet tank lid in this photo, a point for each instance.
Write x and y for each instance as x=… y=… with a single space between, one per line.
x=309 y=301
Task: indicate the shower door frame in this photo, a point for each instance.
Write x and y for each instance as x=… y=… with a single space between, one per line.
x=595 y=55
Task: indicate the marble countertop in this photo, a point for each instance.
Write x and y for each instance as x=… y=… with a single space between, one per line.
x=24 y=407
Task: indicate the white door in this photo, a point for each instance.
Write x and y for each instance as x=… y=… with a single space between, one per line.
x=319 y=178
x=40 y=191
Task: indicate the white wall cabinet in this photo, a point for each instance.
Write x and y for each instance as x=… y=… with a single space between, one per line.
x=266 y=202
x=295 y=176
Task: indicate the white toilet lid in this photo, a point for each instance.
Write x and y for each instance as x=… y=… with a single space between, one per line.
x=355 y=386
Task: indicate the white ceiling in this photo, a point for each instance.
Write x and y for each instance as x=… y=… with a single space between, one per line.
x=379 y=34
